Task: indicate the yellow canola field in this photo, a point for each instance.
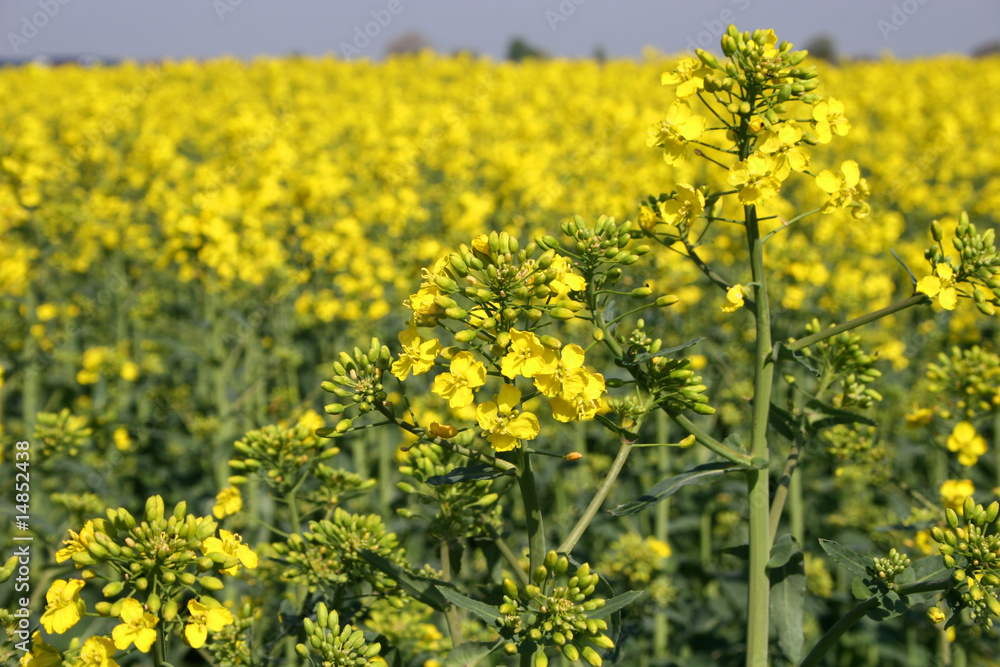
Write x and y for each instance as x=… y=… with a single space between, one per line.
x=333 y=182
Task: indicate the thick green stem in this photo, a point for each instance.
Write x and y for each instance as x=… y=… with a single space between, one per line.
x=661 y=624
x=829 y=640
x=160 y=648
x=532 y=513
x=596 y=502
x=915 y=300
x=758 y=480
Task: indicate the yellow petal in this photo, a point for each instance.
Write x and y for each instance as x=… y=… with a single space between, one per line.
x=508 y=398
x=851 y=172
x=948 y=298
x=929 y=285
x=828 y=181
x=524 y=426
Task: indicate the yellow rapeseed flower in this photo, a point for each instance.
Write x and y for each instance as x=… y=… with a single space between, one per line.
x=502 y=424
x=137 y=627
x=940 y=285
x=734 y=299
x=674 y=133
x=688 y=76
x=955 y=491
x=582 y=406
x=64 y=606
x=231 y=545
x=77 y=542
x=97 y=652
x=828 y=119
x=684 y=206
x=212 y=617
x=564 y=377
x=755 y=178
x=418 y=355
x=969 y=444
x=781 y=142
x=845 y=189
x=526 y=355
x=457 y=386
x=229 y=501
x=41 y=654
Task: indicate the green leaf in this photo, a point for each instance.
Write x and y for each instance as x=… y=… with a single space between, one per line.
x=788 y=591
x=416 y=586
x=615 y=604
x=784 y=548
x=860 y=589
x=779 y=351
x=468 y=654
x=741 y=551
x=856 y=563
x=475 y=472
x=925 y=569
x=665 y=488
x=487 y=612
x=782 y=421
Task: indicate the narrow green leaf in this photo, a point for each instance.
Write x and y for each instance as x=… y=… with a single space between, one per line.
x=468 y=654
x=615 y=604
x=487 y=612
x=784 y=548
x=852 y=560
x=665 y=488
x=824 y=416
x=417 y=586
x=788 y=591
x=471 y=473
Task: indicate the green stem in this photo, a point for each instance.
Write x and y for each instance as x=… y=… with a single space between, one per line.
x=915 y=300
x=160 y=649
x=784 y=484
x=532 y=513
x=758 y=480
x=452 y=618
x=509 y=556
x=788 y=223
x=595 y=502
x=661 y=624
x=829 y=640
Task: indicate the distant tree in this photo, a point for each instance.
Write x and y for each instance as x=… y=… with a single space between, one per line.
x=519 y=49
x=987 y=49
x=409 y=42
x=599 y=54
x=822 y=46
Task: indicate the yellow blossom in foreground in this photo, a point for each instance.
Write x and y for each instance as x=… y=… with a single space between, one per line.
x=231 y=545
x=940 y=285
x=828 y=119
x=97 y=652
x=457 y=386
x=564 y=377
x=734 y=299
x=41 y=654
x=526 y=355
x=684 y=207
x=781 y=142
x=76 y=542
x=969 y=444
x=418 y=355
x=845 y=189
x=504 y=426
x=205 y=618
x=688 y=76
x=755 y=179
x=229 y=501
x=674 y=133
x=582 y=406
x=64 y=606
x=137 y=627
x=955 y=491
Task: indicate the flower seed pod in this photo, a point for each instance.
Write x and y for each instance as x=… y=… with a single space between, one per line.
x=951 y=517
x=969 y=508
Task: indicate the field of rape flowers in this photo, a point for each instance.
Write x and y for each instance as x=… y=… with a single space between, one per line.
x=191 y=252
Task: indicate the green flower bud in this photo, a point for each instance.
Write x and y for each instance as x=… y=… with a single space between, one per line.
x=951 y=517
x=210 y=583
x=969 y=507
x=103 y=608
x=590 y=655
x=112 y=589
x=571 y=652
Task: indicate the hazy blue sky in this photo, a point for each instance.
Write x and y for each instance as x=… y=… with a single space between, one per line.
x=204 y=28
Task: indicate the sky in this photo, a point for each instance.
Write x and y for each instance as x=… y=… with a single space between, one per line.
x=154 y=29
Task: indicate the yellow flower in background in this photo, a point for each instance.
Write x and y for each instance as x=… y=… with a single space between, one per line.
x=64 y=606
x=969 y=444
x=137 y=627
x=941 y=285
x=526 y=355
x=674 y=133
x=122 y=440
x=503 y=425
x=846 y=189
x=130 y=371
x=231 y=545
x=212 y=616
x=418 y=355
x=828 y=119
x=755 y=179
x=228 y=502
x=466 y=373
x=46 y=312
x=734 y=299
x=955 y=491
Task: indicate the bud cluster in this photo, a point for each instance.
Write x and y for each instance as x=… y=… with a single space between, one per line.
x=973 y=550
x=971 y=375
x=546 y=613
x=60 y=435
x=979 y=261
x=467 y=509
x=358 y=376
x=890 y=567
x=600 y=250
x=841 y=360
x=338 y=646
x=674 y=386
x=283 y=454
x=330 y=552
